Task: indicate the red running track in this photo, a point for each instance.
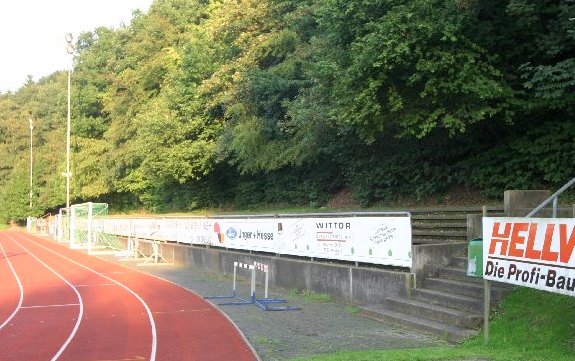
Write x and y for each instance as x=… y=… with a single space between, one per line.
x=61 y=304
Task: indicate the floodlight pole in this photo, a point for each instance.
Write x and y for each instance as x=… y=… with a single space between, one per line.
x=31 y=157
x=70 y=50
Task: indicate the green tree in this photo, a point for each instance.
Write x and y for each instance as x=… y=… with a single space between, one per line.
x=406 y=67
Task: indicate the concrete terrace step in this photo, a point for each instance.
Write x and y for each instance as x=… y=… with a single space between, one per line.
x=462 y=287
x=428 y=225
x=440 y=217
x=449 y=210
x=440 y=233
x=443 y=225
x=459 y=262
x=459 y=274
x=448 y=332
x=460 y=302
x=451 y=316
x=431 y=240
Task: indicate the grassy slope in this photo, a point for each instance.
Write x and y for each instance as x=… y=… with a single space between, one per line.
x=529 y=325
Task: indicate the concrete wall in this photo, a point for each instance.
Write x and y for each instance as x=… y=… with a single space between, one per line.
x=518 y=203
x=474 y=226
x=359 y=285
x=428 y=259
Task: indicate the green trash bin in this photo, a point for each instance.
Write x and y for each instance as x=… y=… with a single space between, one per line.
x=475 y=258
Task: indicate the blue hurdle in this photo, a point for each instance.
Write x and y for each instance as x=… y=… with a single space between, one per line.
x=262 y=303
x=234 y=294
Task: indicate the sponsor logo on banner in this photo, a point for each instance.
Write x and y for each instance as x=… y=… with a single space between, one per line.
x=383 y=234
x=332 y=235
x=218 y=232
x=231 y=233
x=333 y=231
x=256 y=234
x=536 y=253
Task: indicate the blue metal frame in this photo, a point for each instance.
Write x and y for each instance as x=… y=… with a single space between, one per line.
x=262 y=303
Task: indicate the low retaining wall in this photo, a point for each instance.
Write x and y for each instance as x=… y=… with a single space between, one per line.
x=359 y=285
x=428 y=259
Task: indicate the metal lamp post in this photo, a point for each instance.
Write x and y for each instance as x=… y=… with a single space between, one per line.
x=68 y=174
x=31 y=157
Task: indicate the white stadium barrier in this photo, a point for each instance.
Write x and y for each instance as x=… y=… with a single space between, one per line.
x=369 y=237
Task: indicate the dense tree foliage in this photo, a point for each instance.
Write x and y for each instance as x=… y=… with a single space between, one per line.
x=201 y=103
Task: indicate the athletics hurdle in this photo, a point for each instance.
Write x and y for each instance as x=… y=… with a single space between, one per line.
x=132 y=249
x=133 y=252
x=262 y=303
x=234 y=295
x=156 y=257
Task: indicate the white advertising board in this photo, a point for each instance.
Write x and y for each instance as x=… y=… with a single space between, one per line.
x=530 y=252
x=381 y=240
x=377 y=240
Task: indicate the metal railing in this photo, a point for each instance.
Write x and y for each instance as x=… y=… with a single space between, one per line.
x=295 y=215
x=553 y=199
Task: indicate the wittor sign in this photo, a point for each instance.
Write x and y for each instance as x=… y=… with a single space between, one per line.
x=536 y=253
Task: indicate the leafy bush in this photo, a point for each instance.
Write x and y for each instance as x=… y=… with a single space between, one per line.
x=393 y=168
x=310 y=185
x=540 y=157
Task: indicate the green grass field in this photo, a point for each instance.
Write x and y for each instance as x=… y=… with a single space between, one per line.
x=529 y=325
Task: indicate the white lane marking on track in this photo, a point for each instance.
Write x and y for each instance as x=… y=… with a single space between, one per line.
x=183 y=311
x=80 y=313
x=148 y=311
x=19 y=286
x=50 y=306
x=97 y=285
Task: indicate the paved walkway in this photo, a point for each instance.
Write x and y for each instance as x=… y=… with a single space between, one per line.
x=319 y=327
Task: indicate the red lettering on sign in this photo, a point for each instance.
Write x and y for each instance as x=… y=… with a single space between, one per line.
x=506 y=231
x=566 y=247
x=530 y=252
x=517 y=239
x=497 y=237
x=546 y=253
x=523 y=240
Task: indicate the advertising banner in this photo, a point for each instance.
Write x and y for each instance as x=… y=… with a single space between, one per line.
x=380 y=240
x=530 y=252
x=247 y=234
x=377 y=240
